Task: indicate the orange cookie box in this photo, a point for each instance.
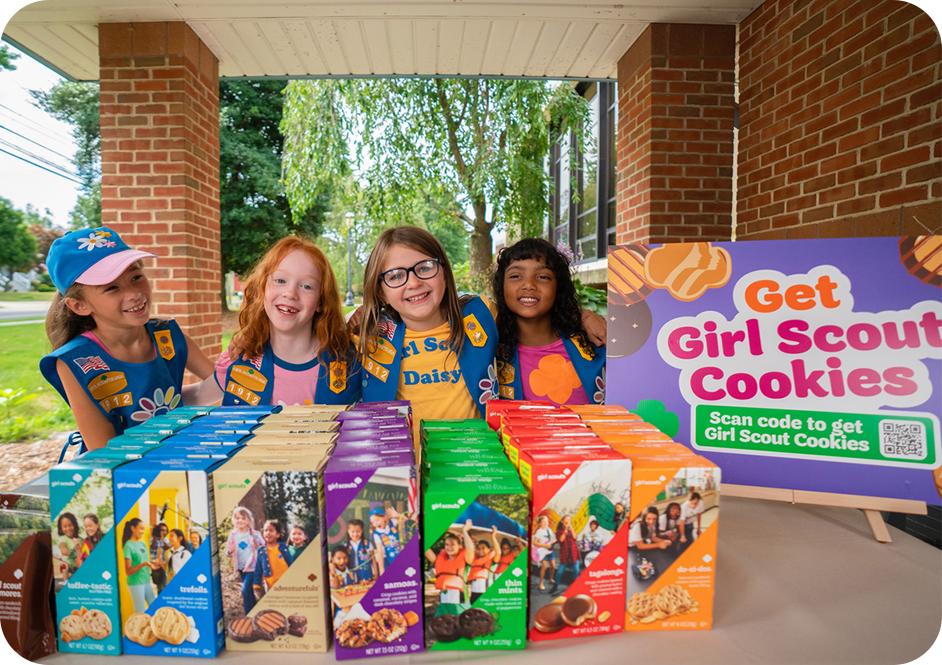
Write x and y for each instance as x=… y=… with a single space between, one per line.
x=671 y=588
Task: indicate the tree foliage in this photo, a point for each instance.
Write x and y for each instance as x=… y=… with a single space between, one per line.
x=479 y=144
x=18 y=249
x=7 y=57
x=76 y=103
x=254 y=209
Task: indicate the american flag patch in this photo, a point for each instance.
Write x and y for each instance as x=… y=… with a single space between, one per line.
x=387 y=327
x=90 y=363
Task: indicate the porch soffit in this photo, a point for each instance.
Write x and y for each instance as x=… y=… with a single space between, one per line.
x=291 y=38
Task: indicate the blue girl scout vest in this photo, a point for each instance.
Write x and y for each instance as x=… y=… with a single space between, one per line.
x=127 y=394
x=591 y=372
x=383 y=364
x=252 y=381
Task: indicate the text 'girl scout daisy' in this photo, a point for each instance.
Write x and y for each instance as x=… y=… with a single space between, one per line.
x=544 y=351
x=113 y=364
x=292 y=346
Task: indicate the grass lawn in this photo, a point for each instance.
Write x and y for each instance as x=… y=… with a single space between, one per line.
x=32 y=409
x=14 y=296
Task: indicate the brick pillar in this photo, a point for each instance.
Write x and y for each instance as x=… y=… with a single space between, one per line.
x=840 y=132
x=160 y=164
x=675 y=134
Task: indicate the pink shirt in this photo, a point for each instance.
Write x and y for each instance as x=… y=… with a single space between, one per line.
x=294 y=383
x=548 y=374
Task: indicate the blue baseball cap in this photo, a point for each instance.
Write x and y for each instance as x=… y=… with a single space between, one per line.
x=89 y=256
x=378 y=510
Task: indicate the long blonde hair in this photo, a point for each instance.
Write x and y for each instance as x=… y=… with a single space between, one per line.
x=373 y=304
x=62 y=324
x=328 y=324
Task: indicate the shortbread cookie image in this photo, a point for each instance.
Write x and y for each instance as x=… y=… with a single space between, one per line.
x=170 y=625
x=137 y=629
x=97 y=625
x=71 y=628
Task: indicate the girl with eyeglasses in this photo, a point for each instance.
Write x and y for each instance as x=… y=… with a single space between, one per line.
x=292 y=346
x=418 y=342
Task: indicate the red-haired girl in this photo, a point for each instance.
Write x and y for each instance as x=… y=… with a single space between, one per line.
x=292 y=346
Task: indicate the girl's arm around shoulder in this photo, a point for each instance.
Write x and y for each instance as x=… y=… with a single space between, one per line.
x=93 y=426
x=594 y=326
x=207 y=391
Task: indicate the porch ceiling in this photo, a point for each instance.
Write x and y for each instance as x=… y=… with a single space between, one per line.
x=537 y=38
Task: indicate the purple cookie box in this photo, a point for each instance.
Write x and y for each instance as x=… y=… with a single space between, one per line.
x=400 y=587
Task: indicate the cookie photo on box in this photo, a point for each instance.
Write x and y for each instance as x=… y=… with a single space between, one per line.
x=472 y=569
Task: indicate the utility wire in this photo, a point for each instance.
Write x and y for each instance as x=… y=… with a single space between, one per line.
x=39 y=166
x=33 y=122
x=26 y=138
x=38 y=158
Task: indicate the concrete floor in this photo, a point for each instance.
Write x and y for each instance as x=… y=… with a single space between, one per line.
x=795 y=585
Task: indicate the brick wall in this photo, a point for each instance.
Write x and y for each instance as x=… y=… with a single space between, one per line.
x=675 y=131
x=160 y=164
x=840 y=120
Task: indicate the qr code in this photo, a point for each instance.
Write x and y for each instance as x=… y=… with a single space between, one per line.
x=903 y=438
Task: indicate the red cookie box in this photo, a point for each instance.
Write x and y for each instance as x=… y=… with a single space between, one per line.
x=569 y=490
x=496 y=409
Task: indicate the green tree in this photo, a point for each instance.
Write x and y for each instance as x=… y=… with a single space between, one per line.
x=480 y=143
x=7 y=57
x=76 y=103
x=254 y=209
x=18 y=249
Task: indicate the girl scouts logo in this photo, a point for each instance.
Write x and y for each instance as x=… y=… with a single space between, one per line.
x=474 y=331
x=164 y=344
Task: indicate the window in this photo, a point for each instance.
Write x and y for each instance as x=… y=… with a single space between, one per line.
x=586 y=226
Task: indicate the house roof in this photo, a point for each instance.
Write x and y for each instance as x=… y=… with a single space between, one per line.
x=295 y=38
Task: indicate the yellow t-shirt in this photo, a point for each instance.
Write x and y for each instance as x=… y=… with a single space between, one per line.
x=431 y=379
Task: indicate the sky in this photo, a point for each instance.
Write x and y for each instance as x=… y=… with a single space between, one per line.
x=24 y=128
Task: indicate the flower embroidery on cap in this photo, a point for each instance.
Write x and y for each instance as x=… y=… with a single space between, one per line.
x=162 y=402
x=96 y=239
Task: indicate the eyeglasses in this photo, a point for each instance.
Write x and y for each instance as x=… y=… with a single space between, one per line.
x=397 y=277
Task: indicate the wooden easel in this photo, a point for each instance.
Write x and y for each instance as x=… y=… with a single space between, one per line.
x=869 y=505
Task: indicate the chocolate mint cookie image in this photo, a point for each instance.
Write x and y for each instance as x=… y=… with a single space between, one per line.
x=269 y=624
x=242 y=630
x=445 y=628
x=476 y=622
x=628 y=328
x=297 y=625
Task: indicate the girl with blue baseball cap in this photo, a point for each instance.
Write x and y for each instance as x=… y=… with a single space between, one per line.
x=114 y=365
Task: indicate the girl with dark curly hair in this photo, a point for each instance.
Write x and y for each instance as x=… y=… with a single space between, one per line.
x=543 y=351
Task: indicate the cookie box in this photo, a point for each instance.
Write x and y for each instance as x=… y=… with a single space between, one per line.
x=577 y=561
x=674 y=516
x=476 y=561
x=168 y=573
x=374 y=561
x=26 y=617
x=270 y=541
x=82 y=507
x=496 y=408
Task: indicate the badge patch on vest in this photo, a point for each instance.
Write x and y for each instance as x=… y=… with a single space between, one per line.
x=116 y=401
x=107 y=384
x=338 y=376
x=164 y=344
x=382 y=351
x=377 y=370
x=243 y=393
x=249 y=378
x=474 y=331
x=582 y=351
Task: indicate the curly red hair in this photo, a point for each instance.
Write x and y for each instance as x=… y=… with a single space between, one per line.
x=328 y=325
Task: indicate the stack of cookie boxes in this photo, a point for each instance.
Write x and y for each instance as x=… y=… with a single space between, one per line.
x=374 y=565
x=475 y=518
x=269 y=533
